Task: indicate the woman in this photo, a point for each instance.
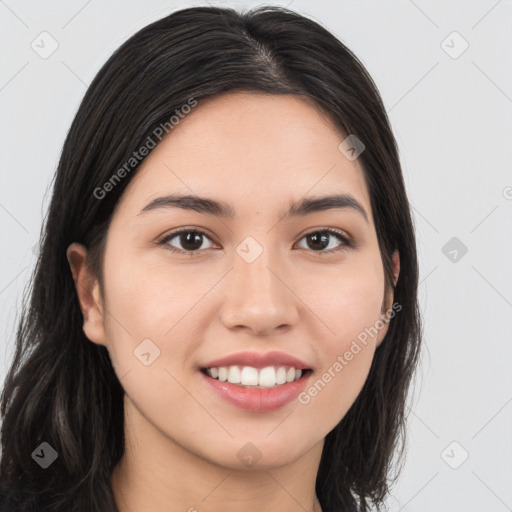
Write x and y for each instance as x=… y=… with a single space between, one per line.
x=224 y=312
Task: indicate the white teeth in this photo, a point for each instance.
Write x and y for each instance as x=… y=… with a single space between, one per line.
x=234 y=375
x=281 y=376
x=267 y=377
x=248 y=376
x=223 y=374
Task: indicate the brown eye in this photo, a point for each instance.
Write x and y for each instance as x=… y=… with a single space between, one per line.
x=318 y=241
x=190 y=240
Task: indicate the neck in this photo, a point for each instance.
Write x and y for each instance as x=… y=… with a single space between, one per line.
x=156 y=474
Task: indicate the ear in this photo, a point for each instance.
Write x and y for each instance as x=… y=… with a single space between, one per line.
x=396 y=266
x=88 y=291
x=388 y=302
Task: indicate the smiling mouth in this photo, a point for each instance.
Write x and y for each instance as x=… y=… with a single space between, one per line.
x=258 y=378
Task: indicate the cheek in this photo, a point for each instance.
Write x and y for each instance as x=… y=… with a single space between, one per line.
x=152 y=293
x=349 y=301
x=148 y=301
x=351 y=308
x=153 y=331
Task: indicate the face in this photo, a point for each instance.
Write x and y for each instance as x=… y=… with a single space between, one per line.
x=278 y=291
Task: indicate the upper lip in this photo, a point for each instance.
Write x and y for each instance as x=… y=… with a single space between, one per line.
x=259 y=360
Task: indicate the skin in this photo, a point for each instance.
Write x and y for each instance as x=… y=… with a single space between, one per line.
x=256 y=152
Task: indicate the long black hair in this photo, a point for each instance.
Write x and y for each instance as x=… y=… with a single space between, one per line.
x=61 y=388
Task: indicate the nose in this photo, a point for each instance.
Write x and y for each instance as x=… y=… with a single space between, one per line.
x=259 y=298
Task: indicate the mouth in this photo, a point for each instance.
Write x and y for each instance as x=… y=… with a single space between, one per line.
x=257 y=390
x=250 y=377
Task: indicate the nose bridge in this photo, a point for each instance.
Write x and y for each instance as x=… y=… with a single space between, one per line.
x=258 y=297
x=255 y=277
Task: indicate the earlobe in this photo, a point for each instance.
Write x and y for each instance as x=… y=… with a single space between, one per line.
x=88 y=293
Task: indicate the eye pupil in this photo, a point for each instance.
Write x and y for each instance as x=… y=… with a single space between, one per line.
x=321 y=237
x=191 y=240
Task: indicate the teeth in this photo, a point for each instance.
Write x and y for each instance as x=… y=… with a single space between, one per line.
x=248 y=376
x=267 y=377
x=234 y=375
x=281 y=376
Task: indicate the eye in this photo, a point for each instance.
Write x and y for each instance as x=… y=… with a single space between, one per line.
x=191 y=240
x=322 y=239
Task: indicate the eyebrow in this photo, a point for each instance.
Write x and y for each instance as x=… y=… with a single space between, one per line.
x=300 y=208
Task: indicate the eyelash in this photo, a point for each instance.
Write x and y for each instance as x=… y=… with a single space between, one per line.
x=346 y=243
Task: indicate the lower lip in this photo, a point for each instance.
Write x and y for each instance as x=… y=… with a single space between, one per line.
x=257 y=400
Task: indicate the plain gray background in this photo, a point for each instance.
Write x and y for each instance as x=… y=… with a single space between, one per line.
x=450 y=109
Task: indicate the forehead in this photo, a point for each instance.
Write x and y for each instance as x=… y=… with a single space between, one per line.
x=250 y=149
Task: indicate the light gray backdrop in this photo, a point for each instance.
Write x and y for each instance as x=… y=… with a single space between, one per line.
x=444 y=71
